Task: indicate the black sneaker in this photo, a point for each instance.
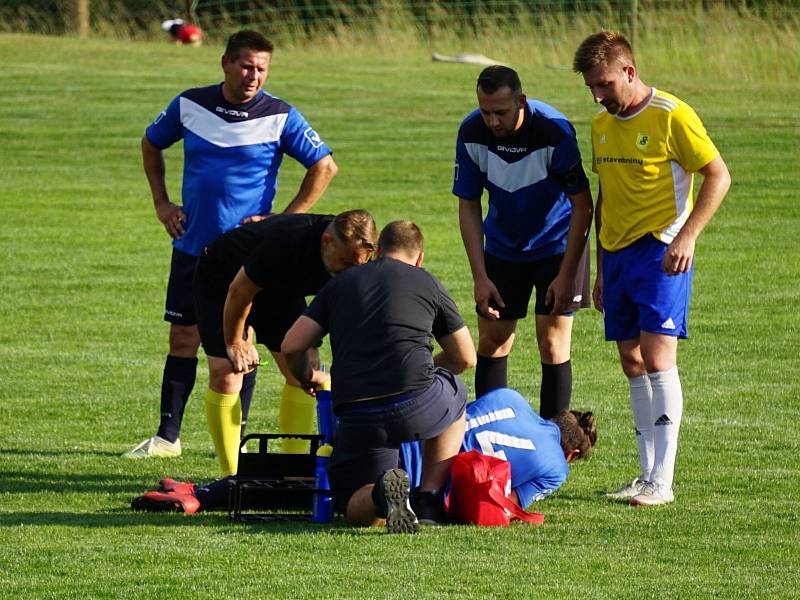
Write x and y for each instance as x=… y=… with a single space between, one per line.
x=429 y=508
x=394 y=488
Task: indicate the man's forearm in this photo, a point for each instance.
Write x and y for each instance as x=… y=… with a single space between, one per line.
x=235 y=318
x=300 y=366
x=155 y=171
x=314 y=184
x=238 y=302
x=458 y=352
x=471 y=226
x=716 y=182
x=597 y=217
x=578 y=233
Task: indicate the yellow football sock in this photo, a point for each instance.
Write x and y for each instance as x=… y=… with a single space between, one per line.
x=298 y=414
x=224 y=412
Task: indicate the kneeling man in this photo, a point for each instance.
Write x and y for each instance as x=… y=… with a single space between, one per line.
x=388 y=387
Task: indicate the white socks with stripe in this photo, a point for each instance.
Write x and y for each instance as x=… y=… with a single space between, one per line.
x=642 y=405
x=666 y=419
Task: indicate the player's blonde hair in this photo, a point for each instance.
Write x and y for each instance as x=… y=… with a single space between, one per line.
x=356 y=227
x=602 y=48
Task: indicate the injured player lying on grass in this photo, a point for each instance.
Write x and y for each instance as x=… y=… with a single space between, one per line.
x=500 y=423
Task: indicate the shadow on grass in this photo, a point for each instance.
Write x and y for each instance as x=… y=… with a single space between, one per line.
x=123 y=518
x=37 y=482
x=56 y=453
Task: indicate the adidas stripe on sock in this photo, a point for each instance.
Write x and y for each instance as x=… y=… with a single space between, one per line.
x=642 y=405
x=667 y=415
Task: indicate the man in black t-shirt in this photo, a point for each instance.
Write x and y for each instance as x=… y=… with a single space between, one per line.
x=388 y=387
x=254 y=279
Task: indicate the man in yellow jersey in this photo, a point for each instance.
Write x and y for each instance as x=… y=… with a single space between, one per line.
x=646 y=146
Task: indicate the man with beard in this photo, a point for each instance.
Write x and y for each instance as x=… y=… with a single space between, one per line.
x=524 y=153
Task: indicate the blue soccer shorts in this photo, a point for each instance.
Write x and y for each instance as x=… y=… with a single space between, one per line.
x=639 y=296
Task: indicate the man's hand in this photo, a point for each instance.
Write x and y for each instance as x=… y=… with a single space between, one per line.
x=559 y=294
x=679 y=255
x=243 y=356
x=597 y=292
x=257 y=218
x=316 y=381
x=172 y=218
x=485 y=292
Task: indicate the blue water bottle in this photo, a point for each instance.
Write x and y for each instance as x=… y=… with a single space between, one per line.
x=325 y=419
x=322 y=507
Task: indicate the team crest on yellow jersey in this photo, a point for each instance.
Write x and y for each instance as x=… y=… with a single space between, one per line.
x=642 y=140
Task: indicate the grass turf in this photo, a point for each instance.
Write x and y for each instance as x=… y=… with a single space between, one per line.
x=83 y=345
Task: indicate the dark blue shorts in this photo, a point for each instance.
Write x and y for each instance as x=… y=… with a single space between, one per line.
x=369 y=433
x=639 y=296
x=179 y=307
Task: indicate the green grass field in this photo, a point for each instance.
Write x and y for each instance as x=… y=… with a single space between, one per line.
x=81 y=300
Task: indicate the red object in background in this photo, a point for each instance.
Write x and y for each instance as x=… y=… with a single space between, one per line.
x=190 y=34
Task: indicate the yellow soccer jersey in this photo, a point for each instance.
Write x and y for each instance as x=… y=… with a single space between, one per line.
x=646 y=163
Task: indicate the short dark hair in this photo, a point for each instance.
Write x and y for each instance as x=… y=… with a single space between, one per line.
x=249 y=40
x=602 y=48
x=401 y=236
x=356 y=227
x=578 y=431
x=493 y=78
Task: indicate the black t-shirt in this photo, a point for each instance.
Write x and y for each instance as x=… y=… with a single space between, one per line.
x=381 y=317
x=280 y=254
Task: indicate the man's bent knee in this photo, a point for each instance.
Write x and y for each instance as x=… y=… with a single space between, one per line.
x=495 y=338
x=184 y=340
x=221 y=377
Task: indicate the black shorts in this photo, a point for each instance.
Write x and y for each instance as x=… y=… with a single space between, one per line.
x=179 y=307
x=270 y=316
x=369 y=433
x=516 y=280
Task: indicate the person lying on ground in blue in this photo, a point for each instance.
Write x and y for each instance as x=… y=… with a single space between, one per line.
x=501 y=423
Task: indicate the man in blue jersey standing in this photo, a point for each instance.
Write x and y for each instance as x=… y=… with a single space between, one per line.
x=234 y=138
x=524 y=153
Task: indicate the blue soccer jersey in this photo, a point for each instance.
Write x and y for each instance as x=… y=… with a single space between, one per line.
x=502 y=424
x=527 y=176
x=232 y=154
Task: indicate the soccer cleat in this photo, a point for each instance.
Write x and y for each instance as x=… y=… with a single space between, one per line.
x=178 y=487
x=395 y=489
x=429 y=508
x=629 y=490
x=166 y=502
x=155 y=447
x=653 y=494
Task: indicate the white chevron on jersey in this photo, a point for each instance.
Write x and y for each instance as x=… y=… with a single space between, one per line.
x=213 y=129
x=512 y=176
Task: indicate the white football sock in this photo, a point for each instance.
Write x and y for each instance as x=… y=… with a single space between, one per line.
x=642 y=405
x=667 y=414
